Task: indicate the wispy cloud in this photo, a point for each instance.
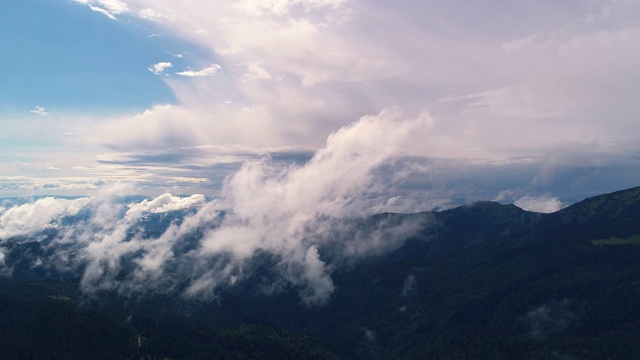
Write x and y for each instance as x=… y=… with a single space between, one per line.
x=109 y=8
x=103 y=11
x=160 y=67
x=208 y=71
x=114 y=6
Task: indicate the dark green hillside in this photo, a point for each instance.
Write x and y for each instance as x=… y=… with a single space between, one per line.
x=492 y=281
x=570 y=299
x=603 y=216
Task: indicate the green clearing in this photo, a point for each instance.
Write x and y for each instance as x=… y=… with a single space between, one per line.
x=634 y=240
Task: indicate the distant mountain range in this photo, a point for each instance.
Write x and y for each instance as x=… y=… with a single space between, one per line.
x=481 y=281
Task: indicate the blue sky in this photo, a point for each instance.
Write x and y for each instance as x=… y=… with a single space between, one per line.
x=59 y=56
x=532 y=102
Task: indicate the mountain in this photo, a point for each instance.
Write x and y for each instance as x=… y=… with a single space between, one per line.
x=484 y=280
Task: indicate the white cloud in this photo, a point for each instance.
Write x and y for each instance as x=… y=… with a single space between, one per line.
x=540 y=76
x=105 y=12
x=31 y=218
x=289 y=212
x=208 y=71
x=167 y=202
x=255 y=71
x=283 y=7
x=39 y=110
x=160 y=67
x=114 y=6
x=272 y=207
x=108 y=8
x=153 y=15
x=542 y=204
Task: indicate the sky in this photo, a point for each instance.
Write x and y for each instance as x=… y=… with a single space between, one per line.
x=421 y=104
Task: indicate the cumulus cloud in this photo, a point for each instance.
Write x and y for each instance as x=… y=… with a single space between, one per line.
x=208 y=71
x=543 y=204
x=160 y=67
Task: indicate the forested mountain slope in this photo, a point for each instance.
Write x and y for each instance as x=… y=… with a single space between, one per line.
x=483 y=280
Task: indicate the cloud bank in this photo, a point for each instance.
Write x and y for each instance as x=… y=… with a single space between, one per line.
x=292 y=214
